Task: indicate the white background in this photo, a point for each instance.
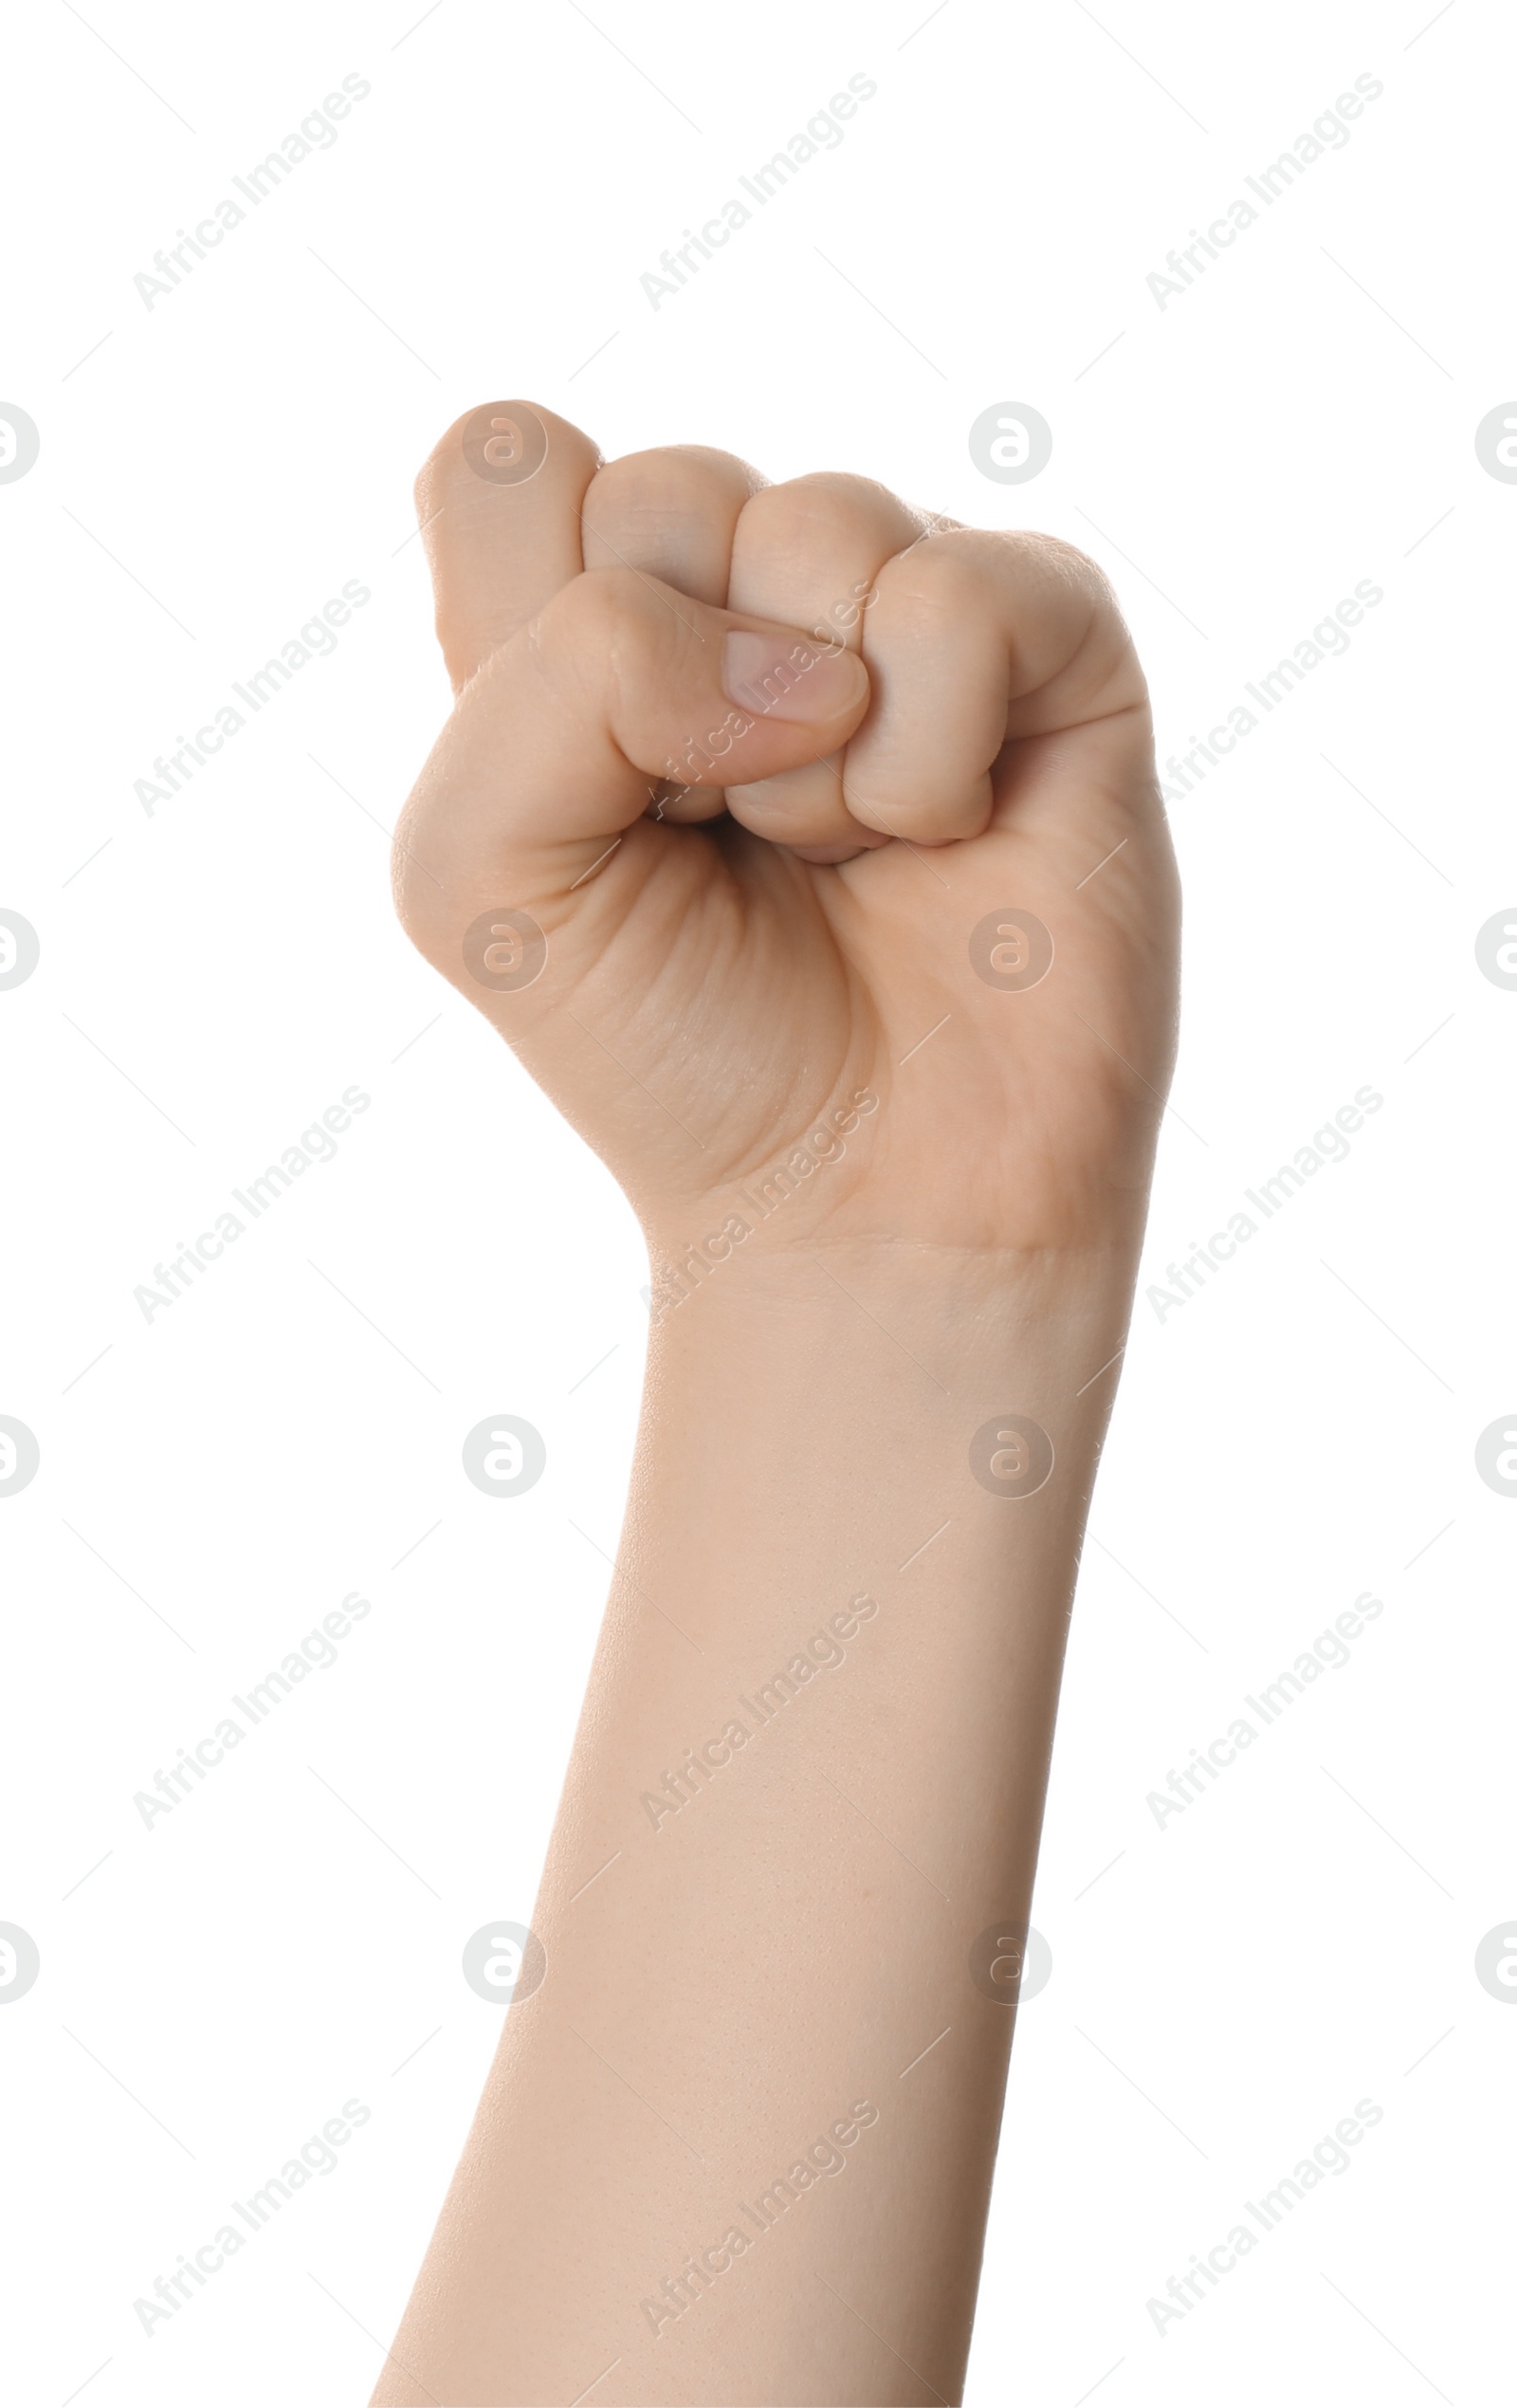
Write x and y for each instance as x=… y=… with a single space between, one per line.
x=1225 y=1987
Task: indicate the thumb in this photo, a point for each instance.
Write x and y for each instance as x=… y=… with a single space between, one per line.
x=557 y=742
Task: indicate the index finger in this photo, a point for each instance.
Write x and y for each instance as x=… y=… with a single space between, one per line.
x=500 y=501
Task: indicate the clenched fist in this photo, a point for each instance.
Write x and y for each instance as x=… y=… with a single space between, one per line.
x=759 y=800
x=808 y=850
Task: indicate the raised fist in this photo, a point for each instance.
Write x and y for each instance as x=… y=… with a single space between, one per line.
x=786 y=829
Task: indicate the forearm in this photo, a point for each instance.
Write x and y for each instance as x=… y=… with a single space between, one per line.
x=808 y=1780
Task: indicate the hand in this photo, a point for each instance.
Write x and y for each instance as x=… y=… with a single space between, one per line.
x=769 y=766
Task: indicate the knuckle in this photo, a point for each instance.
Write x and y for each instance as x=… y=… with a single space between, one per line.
x=1050 y=558
x=970 y=569
x=824 y=505
x=671 y=480
x=672 y=512
x=942 y=575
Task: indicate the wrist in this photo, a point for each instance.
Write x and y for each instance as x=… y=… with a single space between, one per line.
x=952 y=1306
x=870 y=1389
x=995 y=1233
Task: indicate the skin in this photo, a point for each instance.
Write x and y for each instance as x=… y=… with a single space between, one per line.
x=759 y=954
